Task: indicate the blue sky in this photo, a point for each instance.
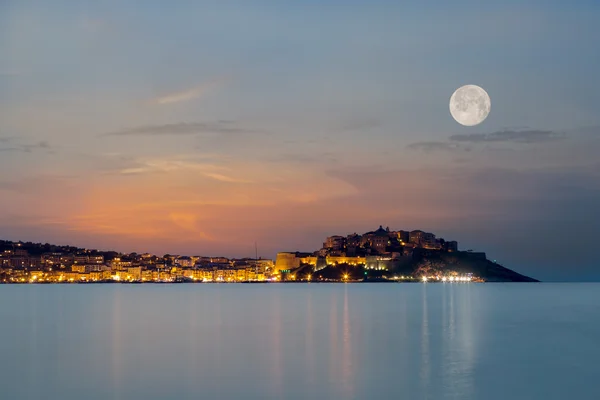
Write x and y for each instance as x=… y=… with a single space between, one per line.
x=287 y=109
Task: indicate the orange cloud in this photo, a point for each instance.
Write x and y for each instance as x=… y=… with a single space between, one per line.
x=190 y=93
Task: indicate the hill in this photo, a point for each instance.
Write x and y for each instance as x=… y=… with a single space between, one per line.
x=424 y=263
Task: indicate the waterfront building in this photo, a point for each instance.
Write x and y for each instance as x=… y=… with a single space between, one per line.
x=230 y=275
x=147 y=275
x=80 y=268
x=286 y=261
x=208 y=275
x=96 y=275
x=241 y=275
x=219 y=275
x=134 y=273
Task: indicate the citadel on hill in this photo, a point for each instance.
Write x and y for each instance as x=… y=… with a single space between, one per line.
x=380 y=249
x=386 y=255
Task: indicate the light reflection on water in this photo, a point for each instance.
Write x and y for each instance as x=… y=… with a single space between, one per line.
x=425 y=370
x=298 y=341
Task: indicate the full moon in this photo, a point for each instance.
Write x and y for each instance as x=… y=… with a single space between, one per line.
x=470 y=105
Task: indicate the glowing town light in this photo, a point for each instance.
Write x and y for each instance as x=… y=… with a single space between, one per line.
x=444 y=279
x=309 y=276
x=451 y=279
x=424 y=279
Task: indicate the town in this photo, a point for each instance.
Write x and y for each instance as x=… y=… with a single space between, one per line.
x=377 y=255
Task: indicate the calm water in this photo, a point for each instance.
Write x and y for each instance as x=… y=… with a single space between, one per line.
x=298 y=341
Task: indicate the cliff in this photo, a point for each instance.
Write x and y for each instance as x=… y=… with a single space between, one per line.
x=464 y=262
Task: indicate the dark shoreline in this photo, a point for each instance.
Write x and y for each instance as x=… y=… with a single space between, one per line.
x=288 y=282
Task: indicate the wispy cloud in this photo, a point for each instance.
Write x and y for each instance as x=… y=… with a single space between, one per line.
x=458 y=142
x=528 y=136
x=207 y=169
x=225 y=178
x=301 y=158
x=436 y=146
x=184 y=128
x=24 y=148
x=142 y=167
x=189 y=93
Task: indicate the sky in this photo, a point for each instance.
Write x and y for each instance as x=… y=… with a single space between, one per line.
x=202 y=127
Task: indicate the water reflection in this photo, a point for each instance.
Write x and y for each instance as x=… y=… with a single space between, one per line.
x=116 y=354
x=333 y=337
x=421 y=341
x=309 y=341
x=425 y=371
x=457 y=343
x=346 y=358
x=194 y=338
x=276 y=350
x=33 y=345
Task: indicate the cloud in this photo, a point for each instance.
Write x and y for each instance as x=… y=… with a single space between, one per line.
x=167 y=165
x=206 y=169
x=300 y=158
x=457 y=142
x=29 y=147
x=24 y=148
x=224 y=178
x=509 y=136
x=134 y=171
x=183 y=128
x=188 y=94
x=435 y=146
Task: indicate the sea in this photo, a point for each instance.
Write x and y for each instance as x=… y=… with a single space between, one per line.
x=488 y=341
